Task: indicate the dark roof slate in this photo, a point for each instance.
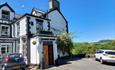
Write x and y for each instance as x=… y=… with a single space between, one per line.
x=6 y=4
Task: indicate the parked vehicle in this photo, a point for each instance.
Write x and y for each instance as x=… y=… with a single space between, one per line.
x=13 y=61
x=105 y=56
x=1 y=58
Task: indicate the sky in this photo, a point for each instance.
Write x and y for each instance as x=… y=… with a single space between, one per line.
x=89 y=20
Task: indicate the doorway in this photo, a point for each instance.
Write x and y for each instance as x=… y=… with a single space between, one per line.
x=48 y=54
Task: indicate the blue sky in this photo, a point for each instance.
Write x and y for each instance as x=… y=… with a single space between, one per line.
x=89 y=20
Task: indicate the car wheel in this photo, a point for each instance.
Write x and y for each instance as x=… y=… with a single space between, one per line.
x=101 y=61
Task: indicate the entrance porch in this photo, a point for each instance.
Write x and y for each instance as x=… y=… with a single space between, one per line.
x=43 y=50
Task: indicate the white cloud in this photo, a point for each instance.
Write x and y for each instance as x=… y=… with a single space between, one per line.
x=22 y=6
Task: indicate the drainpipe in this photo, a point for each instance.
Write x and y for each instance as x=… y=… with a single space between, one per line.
x=28 y=40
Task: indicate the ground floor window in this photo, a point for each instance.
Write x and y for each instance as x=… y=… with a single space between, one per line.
x=5 y=49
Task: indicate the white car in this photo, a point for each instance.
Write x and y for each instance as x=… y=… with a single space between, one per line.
x=105 y=56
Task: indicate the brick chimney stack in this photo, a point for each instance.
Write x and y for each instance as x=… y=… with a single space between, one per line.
x=54 y=4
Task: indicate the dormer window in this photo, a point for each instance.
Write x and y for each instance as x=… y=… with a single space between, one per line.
x=5 y=15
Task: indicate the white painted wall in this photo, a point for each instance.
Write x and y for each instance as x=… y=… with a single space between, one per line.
x=21 y=46
x=55 y=50
x=13 y=47
x=12 y=30
x=58 y=24
x=23 y=26
x=33 y=27
x=35 y=51
x=33 y=30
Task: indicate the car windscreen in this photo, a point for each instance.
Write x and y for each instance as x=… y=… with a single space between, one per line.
x=110 y=52
x=100 y=52
x=15 y=55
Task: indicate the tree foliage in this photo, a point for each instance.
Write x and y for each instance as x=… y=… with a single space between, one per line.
x=65 y=43
x=91 y=48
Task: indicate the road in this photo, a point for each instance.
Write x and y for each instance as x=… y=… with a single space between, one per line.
x=84 y=64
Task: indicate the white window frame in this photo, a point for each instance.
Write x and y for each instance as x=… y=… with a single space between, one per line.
x=7 y=46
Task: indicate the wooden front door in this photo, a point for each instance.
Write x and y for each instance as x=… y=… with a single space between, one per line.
x=46 y=59
x=48 y=54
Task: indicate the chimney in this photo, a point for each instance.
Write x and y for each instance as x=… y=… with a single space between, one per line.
x=54 y=4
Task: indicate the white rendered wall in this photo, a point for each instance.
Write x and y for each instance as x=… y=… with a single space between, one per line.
x=14 y=47
x=55 y=50
x=33 y=27
x=23 y=26
x=21 y=46
x=35 y=51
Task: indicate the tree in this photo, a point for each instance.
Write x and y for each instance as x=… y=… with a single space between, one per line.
x=65 y=43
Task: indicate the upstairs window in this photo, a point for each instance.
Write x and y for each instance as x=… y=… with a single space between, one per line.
x=4 y=30
x=39 y=25
x=5 y=15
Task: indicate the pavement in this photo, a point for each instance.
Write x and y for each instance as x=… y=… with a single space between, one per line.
x=83 y=64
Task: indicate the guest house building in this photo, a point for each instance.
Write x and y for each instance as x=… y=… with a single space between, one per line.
x=32 y=34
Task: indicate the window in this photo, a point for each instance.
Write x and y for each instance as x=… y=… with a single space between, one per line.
x=5 y=15
x=100 y=51
x=4 y=30
x=110 y=52
x=3 y=50
x=39 y=25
